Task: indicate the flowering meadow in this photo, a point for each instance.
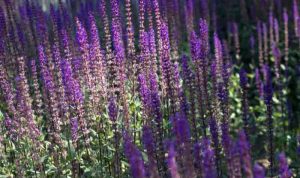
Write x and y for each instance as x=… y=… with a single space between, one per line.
x=150 y=88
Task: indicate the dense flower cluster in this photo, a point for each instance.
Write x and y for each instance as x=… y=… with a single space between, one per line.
x=149 y=89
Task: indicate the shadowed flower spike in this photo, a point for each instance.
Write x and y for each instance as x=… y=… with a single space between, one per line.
x=265 y=43
x=149 y=144
x=245 y=154
x=286 y=35
x=7 y=90
x=83 y=44
x=195 y=46
x=37 y=102
x=75 y=98
x=205 y=9
x=276 y=31
x=209 y=170
x=112 y=109
x=74 y=129
x=52 y=96
x=97 y=59
x=2 y=23
x=129 y=28
x=155 y=99
x=243 y=78
x=218 y=56
x=271 y=27
x=284 y=171
x=296 y=17
x=204 y=38
x=277 y=56
x=268 y=94
x=134 y=157
x=183 y=128
x=259 y=83
x=12 y=128
x=260 y=44
x=106 y=83
x=172 y=161
x=258 y=171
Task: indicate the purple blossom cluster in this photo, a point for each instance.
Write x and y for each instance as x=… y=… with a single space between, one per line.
x=148 y=89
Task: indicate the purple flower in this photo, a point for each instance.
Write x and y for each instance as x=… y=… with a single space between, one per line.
x=106 y=26
x=71 y=85
x=155 y=99
x=268 y=94
x=82 y=40
x=149 y=144
x=129 y=29
x=265 y=42
x=181 y=128
x=204 y=38
x=36 y=88
x=2 y=23
x=271 y=24
x=152 y=50
x=24 y=101
x=258 y=171
x=173 y=168
x=258 y=83
x=260 y=44
x=7 y=91
x=296 y=17
x=276 y=30
x=12 y=126
x=75 y=98
x=135 y=158
x=284 y=171
x=97 y=60
x=209 y=169
x=213 y=126
x=245 y=154
x=182 y=131
x=51 y=94
x=144 y=94
x=74 y=129
x=198 y=158
x=205 y=9
x=286 y=36
x=195 y=46
x=141 y=17
x=112 y=109
x=218 y=56
x=277 y=56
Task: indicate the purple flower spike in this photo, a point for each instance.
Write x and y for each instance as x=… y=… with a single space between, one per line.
x=112 y=109
x=277 y=55
x=218 y=56
x=149 y=144
x=172 y=161
x=204 y=35
x=258 y=83
x=268 y=94
x=245 y=154
x=209 y=169
x=284 y=171
x=74 y=129
x=135 y=158
x=296 y=17
x=195 y=46
x=83 y=44
x=258 y=171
